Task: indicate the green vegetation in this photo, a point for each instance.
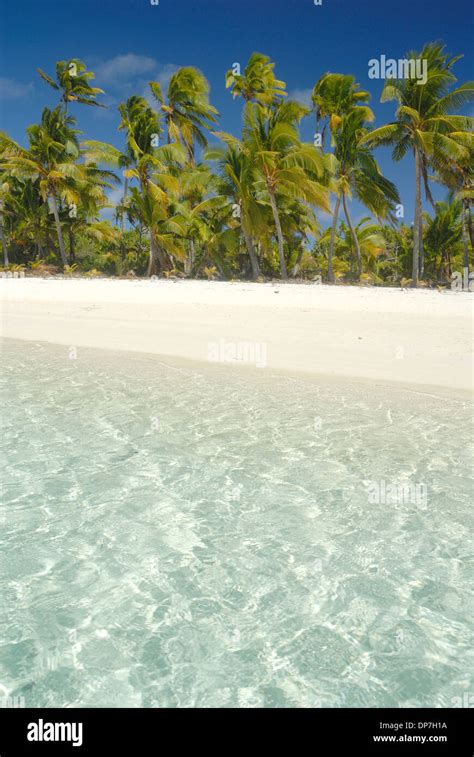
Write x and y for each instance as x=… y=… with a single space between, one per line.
x=244 y=206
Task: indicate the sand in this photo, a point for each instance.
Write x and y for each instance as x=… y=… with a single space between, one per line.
x=421 y=338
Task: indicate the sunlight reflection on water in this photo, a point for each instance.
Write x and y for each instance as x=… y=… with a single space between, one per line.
x=184 y=535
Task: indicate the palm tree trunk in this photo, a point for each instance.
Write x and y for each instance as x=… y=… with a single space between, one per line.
x=441 y=269
x=353 y=234
x=153 y=262
x=124 y=199
x=296 y=268
x=47 y=241
x=417 y=221
x=58 y=228
x=123 y=249
x=192 y=159
x=333 y=238
x=72 y=253
x=422 y=248
x=469 y=224
x=281 y=251
x=6 y=262
x=252 y=253
x=158 y=259
x=465 y=242
x=190 y=258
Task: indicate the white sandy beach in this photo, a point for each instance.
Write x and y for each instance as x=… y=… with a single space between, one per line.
x=419 y=337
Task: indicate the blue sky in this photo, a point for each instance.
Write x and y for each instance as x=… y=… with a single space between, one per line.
x=130 y=42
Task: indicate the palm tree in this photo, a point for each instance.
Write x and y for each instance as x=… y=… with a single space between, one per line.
x=142 y=127
x=103 y=153
x=395 y=263
x=91 y=188
x=358 y=174
x=237 y=185
x=25 y=213
x=370 y=242
x=72 y=80
x=258 y=83
x=187 y=111
x=151 y=166
x=340 y=105
x=195 y=183
x=51 y=158
x=299 y=223
x=4 y=191
x=287 y=167
x=458 y=175
x=335 y=95
x=217 y=232
x=258 y=209
x=444 y=234
x=424 y=126
x=51 y=162
x=188 y=114
x=167 y=228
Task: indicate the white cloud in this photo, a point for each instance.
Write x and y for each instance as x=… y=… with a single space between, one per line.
x=126 y=75
x=14 y=90
x=129 y=74
x=115 y=196
x=123 y=69
x=302 y=96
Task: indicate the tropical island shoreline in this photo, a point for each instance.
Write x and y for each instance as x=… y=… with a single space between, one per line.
x=421 y=338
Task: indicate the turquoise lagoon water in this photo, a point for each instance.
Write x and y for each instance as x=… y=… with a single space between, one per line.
x=186 y=535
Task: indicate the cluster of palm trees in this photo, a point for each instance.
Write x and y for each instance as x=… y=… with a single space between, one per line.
x=247 y=205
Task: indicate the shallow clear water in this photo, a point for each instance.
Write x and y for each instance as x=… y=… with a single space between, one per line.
x=180 y=535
